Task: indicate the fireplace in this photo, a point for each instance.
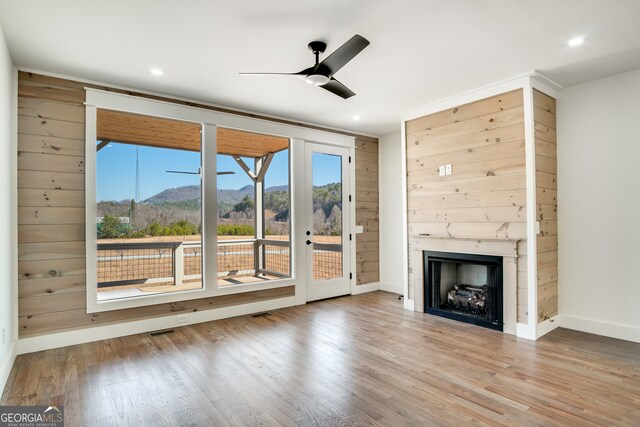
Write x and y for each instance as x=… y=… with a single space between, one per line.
x=464 y=287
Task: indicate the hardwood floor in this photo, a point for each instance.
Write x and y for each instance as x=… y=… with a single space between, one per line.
x=352 y=360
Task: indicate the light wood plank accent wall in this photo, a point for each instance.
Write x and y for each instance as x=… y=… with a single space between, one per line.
x=544 y=116
x=367 y=212
x=485 y=197
x=51 y=241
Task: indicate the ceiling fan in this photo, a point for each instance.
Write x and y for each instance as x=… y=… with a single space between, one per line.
x=321 y=74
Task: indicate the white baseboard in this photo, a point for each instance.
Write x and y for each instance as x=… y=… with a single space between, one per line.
x=367 y=287
x=396 y=288
x=97 y=333
x=409 y=304
x=6 y=365
x=524 y=330
x=547 y=326
x=607 y=329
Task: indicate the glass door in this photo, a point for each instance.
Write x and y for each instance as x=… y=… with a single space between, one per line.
x=327 y=221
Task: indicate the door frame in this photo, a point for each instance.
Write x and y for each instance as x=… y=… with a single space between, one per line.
x=299 y=215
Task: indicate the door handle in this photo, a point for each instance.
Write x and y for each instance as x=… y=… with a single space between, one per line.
x=309 y=242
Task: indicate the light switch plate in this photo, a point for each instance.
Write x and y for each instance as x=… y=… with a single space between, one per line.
x=441 y=170
x=359 y=229
x=448 y=169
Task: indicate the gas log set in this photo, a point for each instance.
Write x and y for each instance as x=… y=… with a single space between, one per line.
x=468 y=299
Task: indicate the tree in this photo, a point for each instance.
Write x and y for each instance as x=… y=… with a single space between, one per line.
x=245 y=205
x=183 y=228
x=155 y=229
x=324 y=197
x=132 y=212
x=282 y=215
x=110 y=228
x=334 y=222
x=319 y=222
x=277 y=201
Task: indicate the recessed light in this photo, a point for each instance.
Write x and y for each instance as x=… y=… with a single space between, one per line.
x=576 y=41
x=156 y=71
x=356 y=117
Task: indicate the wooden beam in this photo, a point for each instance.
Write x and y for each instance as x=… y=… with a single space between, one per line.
x=102 y=144
x=248 y=144
x=245 y=168
x=266 y=161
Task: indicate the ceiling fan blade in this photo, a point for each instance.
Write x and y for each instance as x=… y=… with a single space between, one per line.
x=183 y=172
x=198 y=173
x=344 y=54
x=269 y=74
x=299 y=73
x=338 y=88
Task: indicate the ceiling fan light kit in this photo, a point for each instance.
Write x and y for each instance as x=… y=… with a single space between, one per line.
x=317 y=79
x=321 y=74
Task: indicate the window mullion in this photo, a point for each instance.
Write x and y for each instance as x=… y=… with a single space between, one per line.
x=210 y=207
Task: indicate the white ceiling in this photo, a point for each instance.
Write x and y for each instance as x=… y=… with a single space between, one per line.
x=421 y=50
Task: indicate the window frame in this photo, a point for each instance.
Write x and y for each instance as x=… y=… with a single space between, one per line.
x=209 y=120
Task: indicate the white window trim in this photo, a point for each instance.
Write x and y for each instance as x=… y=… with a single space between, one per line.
x=209 y=120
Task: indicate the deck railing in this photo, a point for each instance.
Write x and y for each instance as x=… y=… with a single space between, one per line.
x=327 y=261
x=133 y=263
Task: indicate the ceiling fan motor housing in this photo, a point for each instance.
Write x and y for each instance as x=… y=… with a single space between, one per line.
x=317 y=47
x=318 y=76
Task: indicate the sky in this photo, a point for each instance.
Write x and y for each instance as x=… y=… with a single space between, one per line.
x=116 y=171
x=325 y=169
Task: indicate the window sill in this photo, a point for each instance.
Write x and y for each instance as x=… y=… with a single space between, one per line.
x=95 y=306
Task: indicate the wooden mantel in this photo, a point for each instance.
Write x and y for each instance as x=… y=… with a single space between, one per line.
x=495 y=247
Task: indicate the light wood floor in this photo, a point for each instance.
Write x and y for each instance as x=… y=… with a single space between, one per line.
x=352 y=360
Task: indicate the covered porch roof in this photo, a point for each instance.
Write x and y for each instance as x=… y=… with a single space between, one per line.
x=128 y=128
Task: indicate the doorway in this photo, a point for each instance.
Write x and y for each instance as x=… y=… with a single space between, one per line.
x=327 y=221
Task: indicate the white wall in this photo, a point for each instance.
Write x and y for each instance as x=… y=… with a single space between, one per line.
x=391 y=192
x=7 y=206
x=599 y=206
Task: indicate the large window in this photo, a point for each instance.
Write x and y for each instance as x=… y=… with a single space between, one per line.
x=253 y=204
x=148 y=206
x=151 y=217
x=253 y=218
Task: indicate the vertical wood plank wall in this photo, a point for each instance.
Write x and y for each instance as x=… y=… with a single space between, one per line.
x=544 y=116
x=367 y=214
x=51 y=241
x=485 y=197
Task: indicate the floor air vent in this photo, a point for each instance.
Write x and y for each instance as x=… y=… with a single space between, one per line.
x=265 y=314
x=156 y=333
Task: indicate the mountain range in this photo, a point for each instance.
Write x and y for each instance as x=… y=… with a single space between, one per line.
x=191 y=192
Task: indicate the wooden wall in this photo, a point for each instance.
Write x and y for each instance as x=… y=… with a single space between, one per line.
x=544 y=116
x=367 y=211
x=51 y=247
x=485 y=197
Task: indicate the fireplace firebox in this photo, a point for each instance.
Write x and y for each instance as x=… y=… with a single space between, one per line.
x=464 y=287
